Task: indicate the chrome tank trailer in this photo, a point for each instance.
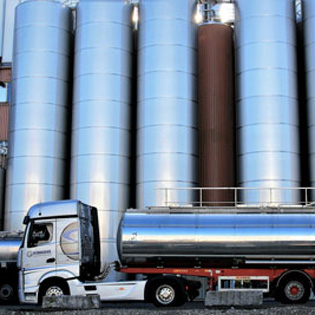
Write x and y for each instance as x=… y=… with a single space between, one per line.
x=9 y=246
x=40 y=104
x=164 y=238
x=101 y=114
x=267 y=99
x=167 y=153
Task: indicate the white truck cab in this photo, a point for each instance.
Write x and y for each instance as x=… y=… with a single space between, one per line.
x=60 y=254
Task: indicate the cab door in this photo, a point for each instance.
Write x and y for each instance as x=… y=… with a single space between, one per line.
x=39 y=252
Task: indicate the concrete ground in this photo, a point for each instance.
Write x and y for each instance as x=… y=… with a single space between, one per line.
x=194 y=308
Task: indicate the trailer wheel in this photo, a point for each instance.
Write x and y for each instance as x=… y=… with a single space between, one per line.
x=294 y=290
x=7 y=292
x=166 y=293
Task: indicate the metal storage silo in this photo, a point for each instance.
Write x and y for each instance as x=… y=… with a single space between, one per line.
x=308 y=15
x=268 y=133
x=40 y=103
x=101 y=114
x=167 y=153
x=216 y=111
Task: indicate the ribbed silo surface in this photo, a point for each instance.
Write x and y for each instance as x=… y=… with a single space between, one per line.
x=167 y=102
x=268 y=153
x=216 y=112
x=309 y=42
x=42 y=51
x=101 y=114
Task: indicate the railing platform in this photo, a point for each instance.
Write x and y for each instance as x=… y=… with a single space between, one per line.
x=236 y=200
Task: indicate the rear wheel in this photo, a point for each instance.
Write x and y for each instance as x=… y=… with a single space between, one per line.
x=294 y=290
x=165 y=293
x=7 y=292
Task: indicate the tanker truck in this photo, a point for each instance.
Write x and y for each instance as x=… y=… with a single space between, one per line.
x=273 y=253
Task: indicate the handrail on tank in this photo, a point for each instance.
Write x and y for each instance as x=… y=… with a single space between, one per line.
x=253 y=197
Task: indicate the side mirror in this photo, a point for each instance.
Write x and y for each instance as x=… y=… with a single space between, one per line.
x=26 y=220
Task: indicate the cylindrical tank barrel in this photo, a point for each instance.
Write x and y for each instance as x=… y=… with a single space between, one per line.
x=40 y=103
x=167 y=153
x=267 y=100
x=216 y=111
x=166 y=237
x=9 y=246
x=102 y=114
x=308 y=9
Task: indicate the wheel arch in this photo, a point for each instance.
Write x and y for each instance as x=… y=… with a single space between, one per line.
x=62 y=275
x=292 y=273
x=55 y=280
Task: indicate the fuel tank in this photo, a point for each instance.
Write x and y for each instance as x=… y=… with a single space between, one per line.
x=9 y=246
x=191 y=238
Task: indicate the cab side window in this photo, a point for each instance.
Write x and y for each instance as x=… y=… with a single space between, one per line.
x=40 y=234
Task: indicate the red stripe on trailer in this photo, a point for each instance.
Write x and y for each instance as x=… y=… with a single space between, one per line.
x=214 y=273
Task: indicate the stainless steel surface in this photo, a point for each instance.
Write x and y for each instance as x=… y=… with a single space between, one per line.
x=268 y=153
x=9 y=246
x=38 y=123
x=9 y=17
x=58 y=209
x=309 y=44
x=2 y=188
x=298 y=10
x=101 y=114
x=167 y=153
x=147 y=237
x=224 y=12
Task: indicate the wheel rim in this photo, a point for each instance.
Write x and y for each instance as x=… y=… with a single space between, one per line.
x=165 y=294
x=54 y=291
x=294 y=290
x=6 y=292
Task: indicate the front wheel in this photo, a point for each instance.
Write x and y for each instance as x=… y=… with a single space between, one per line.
x=295 y=290
x=166 y=293
x=54 y=290
x=50 y=289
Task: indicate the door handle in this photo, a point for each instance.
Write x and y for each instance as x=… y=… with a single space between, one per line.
x=50 y=260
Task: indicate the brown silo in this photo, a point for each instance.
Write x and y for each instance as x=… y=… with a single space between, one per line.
x=216 y=112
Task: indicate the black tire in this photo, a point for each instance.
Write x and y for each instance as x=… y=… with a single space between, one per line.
x=294 y=290
x=53 y=288
x=8 y=292
x=166 y=293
